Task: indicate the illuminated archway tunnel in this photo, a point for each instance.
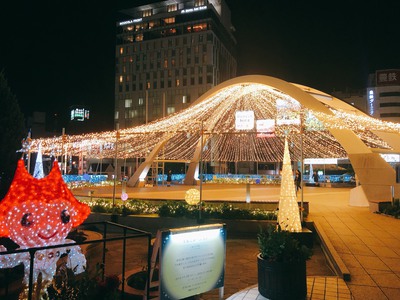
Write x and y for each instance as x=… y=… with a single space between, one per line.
x=328 y=127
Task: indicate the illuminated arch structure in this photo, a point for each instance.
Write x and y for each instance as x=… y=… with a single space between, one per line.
x=330 y=128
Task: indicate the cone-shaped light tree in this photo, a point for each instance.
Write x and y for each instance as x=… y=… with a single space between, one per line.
x=38 y=172
x=288 y=214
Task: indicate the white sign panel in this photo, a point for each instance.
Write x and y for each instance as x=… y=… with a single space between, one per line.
x=192 y=261
x=320 y=161
x=244 y=120
x=265 y=128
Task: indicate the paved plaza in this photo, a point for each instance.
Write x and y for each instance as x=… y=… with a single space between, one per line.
x=367 y=244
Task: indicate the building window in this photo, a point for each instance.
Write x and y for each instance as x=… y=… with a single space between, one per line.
x=200 y=27
x=140 y=102
x=148 y=85
x=147 y=13
x=199 y=2
x=116 y=115
x=386 y=115
x=121 y=50
x=173 y=62
x=121 y=79
x=139 y=38
x=389 y=104
x=128 y=103
x=170 y=110
x=389 y=94
x=172 y=7
x=165 y=63
x=177 y=82
x=184 y=99
x=169 y=20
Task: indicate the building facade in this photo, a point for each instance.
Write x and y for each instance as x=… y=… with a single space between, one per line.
x=383 y=95
x=168 y=54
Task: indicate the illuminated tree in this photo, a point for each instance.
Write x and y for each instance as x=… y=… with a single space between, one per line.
x=288 y=214
x=11 y=134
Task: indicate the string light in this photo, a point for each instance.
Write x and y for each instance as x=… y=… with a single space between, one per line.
x=217 y=113
x=37 y=213
x=288 y=214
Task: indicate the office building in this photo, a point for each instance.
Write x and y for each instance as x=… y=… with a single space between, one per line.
x=169 y=53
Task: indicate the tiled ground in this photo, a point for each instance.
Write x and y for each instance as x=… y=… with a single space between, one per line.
x=318 y=288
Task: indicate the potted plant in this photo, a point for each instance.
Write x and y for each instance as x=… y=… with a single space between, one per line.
x=281 y=265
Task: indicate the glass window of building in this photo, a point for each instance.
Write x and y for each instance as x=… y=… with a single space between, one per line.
x=147 y=13
x=199 y=2
x=121 y=50
x=169 y=20
x=177 y=82
x=140 y=101
x=116 y=115
x=172 y=7
x=121 y=78
x=170 y=110
x=165 y=63
x=128 y=103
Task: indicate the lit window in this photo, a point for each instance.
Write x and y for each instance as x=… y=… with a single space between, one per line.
x=169 y=20
x=121 y=50
x=147 y=13
x=129 y=28
x=147 y=84
x=128 y=103
x=121 y=79
x=116 y=115
x=172 y=7
x=139 y=38
x=165 y=63
x=199 y=27
x=177 y=82
x=199 y=2
x=170 y=110
x=140 y=101
x=184 y=99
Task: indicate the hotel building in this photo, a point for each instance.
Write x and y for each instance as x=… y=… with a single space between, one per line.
x=169 y=53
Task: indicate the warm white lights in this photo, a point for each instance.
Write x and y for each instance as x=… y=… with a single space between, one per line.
x=217 y=113
x=288 y=214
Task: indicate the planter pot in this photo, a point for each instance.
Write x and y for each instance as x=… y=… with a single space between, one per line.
x=283 y=281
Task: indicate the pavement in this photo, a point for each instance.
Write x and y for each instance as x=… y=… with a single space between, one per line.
x=366 y=245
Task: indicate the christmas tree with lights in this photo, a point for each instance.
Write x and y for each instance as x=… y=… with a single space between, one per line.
x=38 y=171
x=288 y=214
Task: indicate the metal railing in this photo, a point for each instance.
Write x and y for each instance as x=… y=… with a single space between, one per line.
x=127 y=233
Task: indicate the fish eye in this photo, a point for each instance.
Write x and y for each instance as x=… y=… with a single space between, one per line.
x=27 y=220
x=65 y=217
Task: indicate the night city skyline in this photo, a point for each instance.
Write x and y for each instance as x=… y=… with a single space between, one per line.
x=58 y=54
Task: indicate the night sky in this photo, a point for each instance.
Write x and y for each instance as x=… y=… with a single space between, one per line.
x=60 y=53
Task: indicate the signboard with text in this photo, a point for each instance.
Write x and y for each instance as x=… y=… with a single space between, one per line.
x=192 y=260
x=244 y=120
x=265 y=128
x=387 y=77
